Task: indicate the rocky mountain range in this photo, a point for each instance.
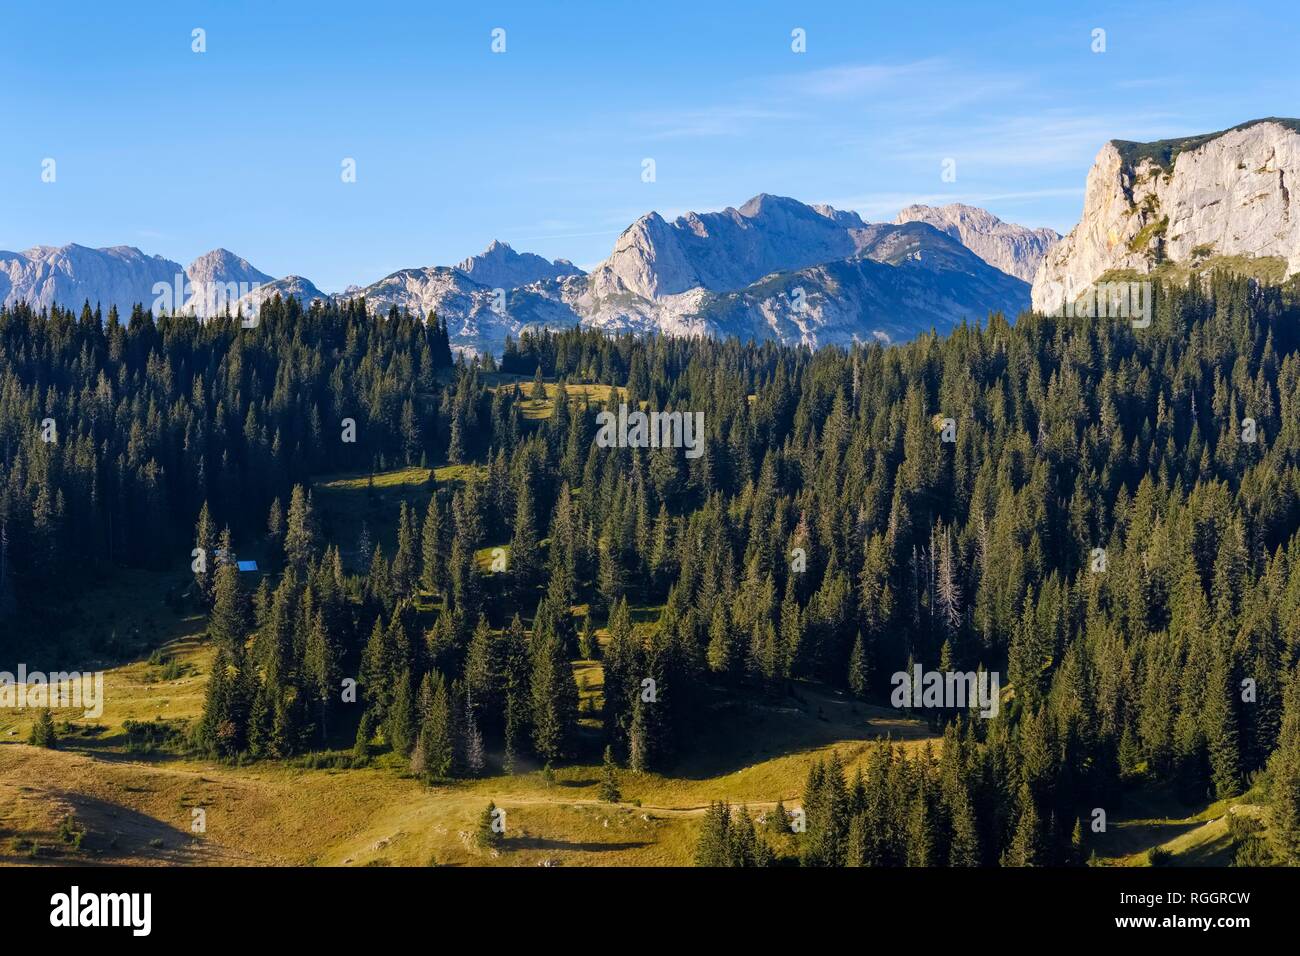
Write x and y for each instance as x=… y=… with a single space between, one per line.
x=772 y=268
x=220 y=278
x=777 y=268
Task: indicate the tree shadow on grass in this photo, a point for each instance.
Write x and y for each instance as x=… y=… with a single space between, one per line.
x=1134 y=837
x=110 y=750
x=112 y=834
x=578 y=783
x=741 y=729
x=1219 y=851
x=546 y=843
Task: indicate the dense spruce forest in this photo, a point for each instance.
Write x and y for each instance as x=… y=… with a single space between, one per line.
x=1112 y=529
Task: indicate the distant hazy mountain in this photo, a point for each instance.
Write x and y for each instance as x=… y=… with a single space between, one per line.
x=1179 y=206
x=1016 y=250
x=220 y=279
x=72 y=275
x=295 y=287
x=500 y=267
x=124 y=276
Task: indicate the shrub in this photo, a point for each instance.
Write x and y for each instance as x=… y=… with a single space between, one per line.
x=43 y=733
x=154 y=736
x=1158 y=856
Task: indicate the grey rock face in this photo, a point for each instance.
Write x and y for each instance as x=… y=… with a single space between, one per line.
x=724 y=251
x=219 y=279
x=500 y=267
x=72 y=275
x=1180 y=202
x=1016 y=250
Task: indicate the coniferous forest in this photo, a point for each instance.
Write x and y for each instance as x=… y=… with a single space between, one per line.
x=1106 y=517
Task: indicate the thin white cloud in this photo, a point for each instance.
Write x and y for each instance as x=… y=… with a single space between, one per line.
x=1046 y=139
x=859 y=78
x=710 y=121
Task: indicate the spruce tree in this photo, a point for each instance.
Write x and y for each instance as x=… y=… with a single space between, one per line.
x=475 y=757
x=432 y=569
x=859 y=676
x=1284 y=780
x=609 y=791
x=488 y=835
x=219 y=731
x=555 y=700
x=404 y=574
x=1221 y=734
x=365 y=731
x=921 y=835
x=638 y=743
x=713 y=845
x=778 y=821
x=302 y=537
x=230 y=620
x=588 y=645
x=857 y=851
x=321 y=665
x=400 y=727
x=438 y=732
x=205 y=541
x=964 y=847
x=742 y=842
x=525 y=558
x=1029 y=845
x=721 y=652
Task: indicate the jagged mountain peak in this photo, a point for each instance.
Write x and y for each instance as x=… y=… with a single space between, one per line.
x=767 y=203
x=218 y=280
x=723 y=251
x=223 y=261
x=1016 y=250
x=500 y=266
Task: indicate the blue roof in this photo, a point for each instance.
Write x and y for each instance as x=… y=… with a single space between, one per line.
x=247 y=565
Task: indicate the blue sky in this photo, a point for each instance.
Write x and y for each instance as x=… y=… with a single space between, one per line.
x=542 y=146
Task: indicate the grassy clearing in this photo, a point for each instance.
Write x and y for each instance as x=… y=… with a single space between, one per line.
x=535 y=409
x=347 y=503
